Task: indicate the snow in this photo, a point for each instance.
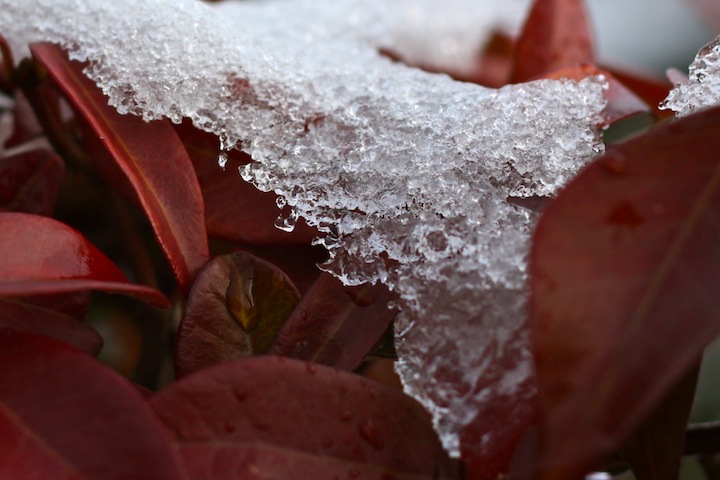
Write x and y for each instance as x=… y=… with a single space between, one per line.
x=702 y=88
x=407 y=173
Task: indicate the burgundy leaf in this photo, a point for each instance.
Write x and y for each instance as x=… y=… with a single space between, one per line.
x=39 y=255
x=556 y=34
x=284 y=419
x=336 y=325
x=30 y=181
x=624 y=270
x=64 y=415
x=152 y=157
x=234 y=209
x=652 y=90
x=33 y=318
x=235 y=309
x=655 y=448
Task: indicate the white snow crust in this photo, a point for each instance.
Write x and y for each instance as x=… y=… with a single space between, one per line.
x=407 y=173
x=702 y=88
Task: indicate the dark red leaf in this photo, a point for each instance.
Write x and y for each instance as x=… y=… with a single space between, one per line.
x=235 y=309
x=64 y=415
x=39 y=255
x=30 y=181
x=556 y=34
x=336 y=325
x=234 y=209
x=656 y=447
x=8 y=64
x=284 y=419
x=652 y=90
x=33 y=318
x=624 y=270
x=151 y=156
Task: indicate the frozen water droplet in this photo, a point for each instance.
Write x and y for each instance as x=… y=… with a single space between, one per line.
x=222 y=160
x=280 y=202
x=287 y=224
x=369 y=432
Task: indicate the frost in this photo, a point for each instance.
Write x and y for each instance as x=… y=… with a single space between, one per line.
x=407 y=173
x=702 y=89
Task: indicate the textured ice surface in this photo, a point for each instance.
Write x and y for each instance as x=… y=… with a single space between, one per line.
x=406 y=172
x=702 y=89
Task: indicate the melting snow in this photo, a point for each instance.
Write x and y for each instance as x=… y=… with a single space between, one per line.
x=702 y=88
x=406 y=172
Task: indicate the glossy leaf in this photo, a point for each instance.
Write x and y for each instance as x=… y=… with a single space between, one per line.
x=39 y=255
x=153 y=159
x=336 y=325
x=656 y=447
x=114 y=435
x=234 y=209
x=623 y=273
x=556 y=34
x=284 y=419
x=33 y=318
x=235 y=309
x=651 y=90
x=30 y=181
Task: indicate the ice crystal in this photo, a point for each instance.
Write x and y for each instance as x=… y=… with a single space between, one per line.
x=702 y=89
x=406 y=173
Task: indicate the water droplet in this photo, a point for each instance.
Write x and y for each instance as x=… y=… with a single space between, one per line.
x=229 y=427
x=615 y=163
x=239 y=298
x=625 y=215
x=345 y=416
x=241 y=395
x=280 y=202
x=353 y=473
x=369 y=432
x=287 y=224
x=222 y=160
x=311 y=368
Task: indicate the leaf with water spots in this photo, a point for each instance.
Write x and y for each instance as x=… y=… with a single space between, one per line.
x=273 y=417
x=624 y=273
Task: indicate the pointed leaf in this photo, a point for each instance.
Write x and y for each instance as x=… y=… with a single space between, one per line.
x=30 y=181
x=623 y=273
x=336 y=325
x=39 y=255
x=63 y=412
x=151 y=156
x=556 y=34
x=234 y=209
x=235 y=309
x=656 y=447
x=284 y=419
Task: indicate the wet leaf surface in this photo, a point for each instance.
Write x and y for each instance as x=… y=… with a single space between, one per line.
x=336 y=325
x=624 y=269
x=113 y=436
x=153 y=159
x=235 y=309
x=279 y=418
x=39 y=255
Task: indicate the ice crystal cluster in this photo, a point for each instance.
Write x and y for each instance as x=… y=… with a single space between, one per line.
x=702 y=89
x=407 y=173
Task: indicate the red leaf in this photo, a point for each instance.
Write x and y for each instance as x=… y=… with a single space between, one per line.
x=235 y=309
x=30 y=181
x=284 y=419
x=64 y=415
x=623 y=275
x=39 y=255
x=336 y=325
x=655 y=448
x=234 y=209
x=33 y=318
x=151 y=156
x=556 y=34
